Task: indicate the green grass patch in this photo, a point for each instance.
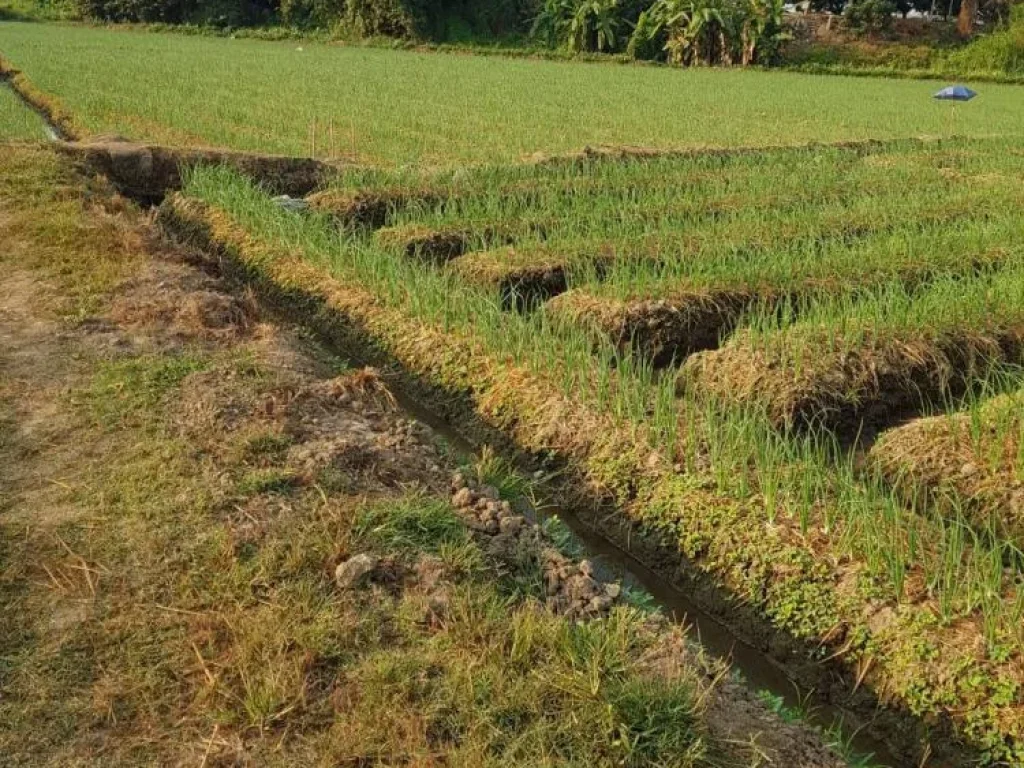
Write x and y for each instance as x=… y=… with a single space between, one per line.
x=127 y=389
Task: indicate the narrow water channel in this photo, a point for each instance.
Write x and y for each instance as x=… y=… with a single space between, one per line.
x=757 y=668
x=49 y=129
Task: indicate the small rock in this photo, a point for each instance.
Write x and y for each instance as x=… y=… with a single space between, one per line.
x=881 y=619
x=586 y=568
x=491 y=527
x=968 y=469
x=613 y=590
x=291 y=203
x=490 y=492
x=349 y=574
x=551 y=556
x=581 y=588
x=463 y=498
x=1017 y=503
x=458 y=481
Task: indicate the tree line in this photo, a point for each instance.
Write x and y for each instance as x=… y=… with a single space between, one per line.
x=683 y=32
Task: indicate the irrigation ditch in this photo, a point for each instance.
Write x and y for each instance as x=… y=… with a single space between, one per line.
x=797 y=670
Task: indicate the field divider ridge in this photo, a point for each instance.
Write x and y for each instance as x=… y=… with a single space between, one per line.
x=58 y=118
x=887 y=376
x=967 y=462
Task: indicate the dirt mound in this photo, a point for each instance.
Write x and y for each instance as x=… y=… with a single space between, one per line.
x=149 y=171
x=658 y=329
x=184 y=305
x=967 y=462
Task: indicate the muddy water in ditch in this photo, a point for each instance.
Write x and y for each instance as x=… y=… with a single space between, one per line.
x=757 y=668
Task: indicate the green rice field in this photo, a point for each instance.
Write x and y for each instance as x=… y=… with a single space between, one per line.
x=396 y=107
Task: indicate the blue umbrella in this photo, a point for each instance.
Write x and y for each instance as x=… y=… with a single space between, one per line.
x=956 y=93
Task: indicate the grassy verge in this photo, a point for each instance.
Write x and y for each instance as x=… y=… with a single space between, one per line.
x=796 y=540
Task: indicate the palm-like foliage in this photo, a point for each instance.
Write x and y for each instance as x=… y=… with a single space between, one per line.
x=711 y=32
x=579 y=25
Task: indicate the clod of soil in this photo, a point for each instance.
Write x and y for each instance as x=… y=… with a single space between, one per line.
x=572 y=589
x=350 y=574
x=658 y=329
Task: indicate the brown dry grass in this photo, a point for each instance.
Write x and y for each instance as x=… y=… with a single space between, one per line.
x=836 y=387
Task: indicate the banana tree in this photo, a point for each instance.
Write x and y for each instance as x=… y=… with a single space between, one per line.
x=761 y=30
x=690 y=29
x=552 y=22
x=710 y=31
x=595 y=25
x=579 y=25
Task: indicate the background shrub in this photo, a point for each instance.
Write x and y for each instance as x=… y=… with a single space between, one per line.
x=870 y=16
x=1000 y=51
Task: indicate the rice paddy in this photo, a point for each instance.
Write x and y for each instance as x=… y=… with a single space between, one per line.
x=797 y=369
x=398 y=107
